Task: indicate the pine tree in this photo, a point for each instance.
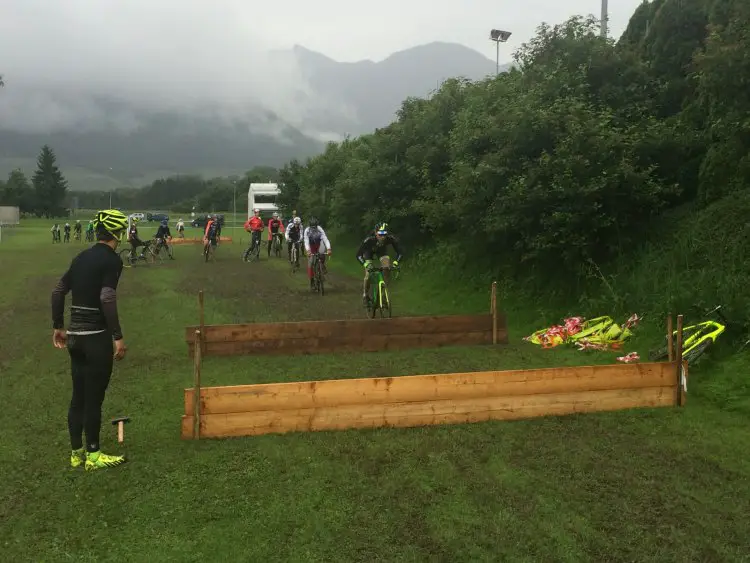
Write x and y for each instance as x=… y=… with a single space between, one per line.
x=49 y=184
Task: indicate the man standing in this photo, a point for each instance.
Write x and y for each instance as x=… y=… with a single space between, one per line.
x=94 y=324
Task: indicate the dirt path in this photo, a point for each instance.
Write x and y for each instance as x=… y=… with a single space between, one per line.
x=265 y=290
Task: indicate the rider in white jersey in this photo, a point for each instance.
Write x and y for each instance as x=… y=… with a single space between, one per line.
x=316 y=242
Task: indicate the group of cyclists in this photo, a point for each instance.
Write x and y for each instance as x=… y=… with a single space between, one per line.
x=312 y=240
x=77 y=230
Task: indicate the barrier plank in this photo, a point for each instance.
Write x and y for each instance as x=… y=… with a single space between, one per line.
x=454 y=386
x=450 y=324
x=425 y=413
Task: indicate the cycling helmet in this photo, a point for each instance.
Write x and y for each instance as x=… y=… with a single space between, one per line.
x=297 y=220
x=111 y=220
x=313 y=221
x=164 y=223
x=381 y=228
x=256 y=210
x=275 y=215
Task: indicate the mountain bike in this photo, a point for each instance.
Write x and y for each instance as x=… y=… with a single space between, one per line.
x=252 y=250
x=318 y=276
x=209 y=251
x=147 y=255
x=696 y=339
x=294 y=257
x=162 y=243
x=379 y=300
x=276 y=245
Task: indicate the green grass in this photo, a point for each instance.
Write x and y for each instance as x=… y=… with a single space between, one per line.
x=647 y=485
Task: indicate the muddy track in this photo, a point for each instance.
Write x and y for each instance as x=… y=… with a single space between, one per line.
x=265 y=290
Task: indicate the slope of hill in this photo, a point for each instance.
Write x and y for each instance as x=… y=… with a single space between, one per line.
x=125 y=145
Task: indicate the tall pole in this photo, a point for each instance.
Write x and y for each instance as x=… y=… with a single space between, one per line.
x=605 y=17
x=497 y=57
x=234 y=210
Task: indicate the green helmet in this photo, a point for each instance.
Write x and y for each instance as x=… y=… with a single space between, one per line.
x=112 y=221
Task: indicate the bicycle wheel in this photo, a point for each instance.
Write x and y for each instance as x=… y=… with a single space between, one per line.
x=206 y=252
x=319 y=276
x=124 y=255
x=697 y=352
x=385 y=306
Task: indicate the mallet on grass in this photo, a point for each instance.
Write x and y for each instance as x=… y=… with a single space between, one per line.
x=120 y=422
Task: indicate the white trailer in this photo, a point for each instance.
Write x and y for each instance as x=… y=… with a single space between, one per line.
x=263 y=197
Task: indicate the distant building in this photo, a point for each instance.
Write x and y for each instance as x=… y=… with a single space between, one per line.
x=263 y=197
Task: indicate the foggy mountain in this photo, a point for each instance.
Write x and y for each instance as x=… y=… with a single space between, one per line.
x=103 y=142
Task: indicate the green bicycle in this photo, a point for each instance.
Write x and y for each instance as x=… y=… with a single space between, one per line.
x=696 y=338
x=379 y=300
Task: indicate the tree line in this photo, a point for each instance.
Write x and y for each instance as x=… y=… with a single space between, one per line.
x=564 y=160
x=44 y=195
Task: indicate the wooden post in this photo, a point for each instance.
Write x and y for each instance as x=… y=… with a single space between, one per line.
x=197 y=386
x=201 y=321
x=670 y=338
x=678 y=357
x=493 y=310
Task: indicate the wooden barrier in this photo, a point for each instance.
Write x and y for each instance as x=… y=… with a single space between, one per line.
x=360 y=335
x=250 y=410
x=195 y=240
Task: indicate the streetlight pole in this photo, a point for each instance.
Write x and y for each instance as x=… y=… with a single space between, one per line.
x=234 y=210
x=605 y=18
x=499 y=36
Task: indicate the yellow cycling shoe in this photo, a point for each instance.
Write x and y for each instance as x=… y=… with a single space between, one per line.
x=99 y=460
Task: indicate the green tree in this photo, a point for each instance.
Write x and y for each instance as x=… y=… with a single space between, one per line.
x=49 y=185
x=18 y=192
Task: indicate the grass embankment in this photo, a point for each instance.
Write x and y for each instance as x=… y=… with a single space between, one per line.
x=652 y=485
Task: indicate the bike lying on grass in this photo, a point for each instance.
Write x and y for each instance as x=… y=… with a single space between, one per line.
x=696 y=339
x=379 y=299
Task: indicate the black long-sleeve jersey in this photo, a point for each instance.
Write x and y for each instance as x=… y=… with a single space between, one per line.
x=372 y=247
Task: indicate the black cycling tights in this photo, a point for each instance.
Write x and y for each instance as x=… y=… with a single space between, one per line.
x=91 y=358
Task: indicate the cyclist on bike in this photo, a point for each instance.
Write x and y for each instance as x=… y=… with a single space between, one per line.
x=180 y=228
x=209 y=235
x=67 y=232
x=133 y=238
x=90 y=232
x=314 y=236
x=375 y=245
x=293 y=236
x=254 y=226
x=77 y=230
x=275 y=228
x=219 y=225
x=163 y=235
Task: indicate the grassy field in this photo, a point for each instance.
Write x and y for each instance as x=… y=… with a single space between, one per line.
x=650 y=485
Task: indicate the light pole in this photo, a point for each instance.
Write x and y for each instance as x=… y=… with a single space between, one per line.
x=234 y=210
x=605 y=18
x=498 y=36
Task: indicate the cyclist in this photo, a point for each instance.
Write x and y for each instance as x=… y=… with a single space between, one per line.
x=209 y=235
x=294 y=236
x=314 y=236
x=254 y=226
x=133 y=238
x=275 y=229
x=55 y=230
x=163 y=235
x=219 y=225
x=375 y=245
x=77 y=230
x=180 y=228
x=66 y=228
x=90 y=232
x=94 y=337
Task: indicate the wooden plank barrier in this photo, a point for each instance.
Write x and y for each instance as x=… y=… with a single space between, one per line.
x=195 y=240
x=357 y=335
x=251 y=410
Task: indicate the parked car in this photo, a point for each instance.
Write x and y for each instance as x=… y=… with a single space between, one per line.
x=138 y=216
x=201 y=220
x=157 y=217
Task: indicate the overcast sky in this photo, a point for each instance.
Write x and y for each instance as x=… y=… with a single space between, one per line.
x=180 y=51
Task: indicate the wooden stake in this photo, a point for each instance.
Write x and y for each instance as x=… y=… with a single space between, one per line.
x=201 y=321
x=678 y=354
x=493 y=310
x=670 y=338
x=197 y=386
